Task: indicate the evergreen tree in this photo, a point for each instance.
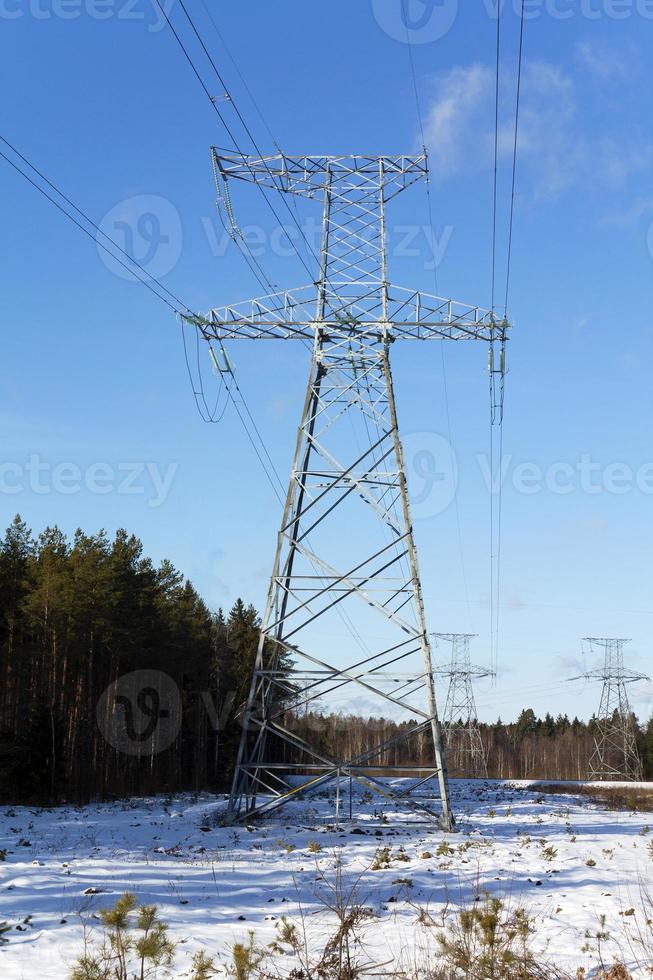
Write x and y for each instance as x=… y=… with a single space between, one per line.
x=647 y=750
x=74 y=619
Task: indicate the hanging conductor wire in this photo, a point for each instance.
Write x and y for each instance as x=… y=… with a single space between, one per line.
x=443 y=362
x=514 y=154
x=496 y=153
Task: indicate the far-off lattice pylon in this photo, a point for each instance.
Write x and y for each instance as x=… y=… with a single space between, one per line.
x=615 y=754
x=466 y=754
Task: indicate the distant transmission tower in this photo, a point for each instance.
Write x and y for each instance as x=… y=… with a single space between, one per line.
x=615 y=754
x=460 y=719
x=345 y=611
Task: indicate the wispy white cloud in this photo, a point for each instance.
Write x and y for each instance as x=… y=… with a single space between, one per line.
x=460 y=123
x=570 y=665
x=619 y=159
x=516 y=603
x=594 y=523
x=631 y=215
x=548 y=132
x=456 y=115
x=557 y=148
x=607 y=62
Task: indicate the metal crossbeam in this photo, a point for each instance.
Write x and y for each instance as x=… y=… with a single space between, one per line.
x=345 y=549
x=410 y=315
x=308 y=175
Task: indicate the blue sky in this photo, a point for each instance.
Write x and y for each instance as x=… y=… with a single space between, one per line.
x=94 y=381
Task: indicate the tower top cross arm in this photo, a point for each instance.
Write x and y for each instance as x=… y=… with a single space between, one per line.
x=613 y=667
x=351 y=300
x=308 y=175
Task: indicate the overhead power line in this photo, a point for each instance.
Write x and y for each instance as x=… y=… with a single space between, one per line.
x=514 y=153
x=132 y=266
x=443 y=362
x=246 y=251
x=230 y=132
x=508 y=265
x=240 y=75
x=147 y=281
x=496 y=151
x=254 y=144
x=250 y=258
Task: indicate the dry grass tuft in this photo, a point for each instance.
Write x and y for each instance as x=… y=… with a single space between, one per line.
x=633 y=798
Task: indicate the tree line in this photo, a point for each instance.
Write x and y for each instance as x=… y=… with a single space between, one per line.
x=78 y=617
x=529 y=748
x=75 y=616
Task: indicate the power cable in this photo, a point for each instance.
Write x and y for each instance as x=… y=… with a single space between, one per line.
x=93 y=238
x=494 y=595
x=254 y=144
x=144 y=281
x=343 y=615
x=508 y=266
x=177 y=309
x=514 y=154
x=213 y=416
x=197 y=395
x=494 y=598
x=245 y=85
x=228 y=129
x=436 y=290
x=242 y=245
x=496 y=152
x=241 y=76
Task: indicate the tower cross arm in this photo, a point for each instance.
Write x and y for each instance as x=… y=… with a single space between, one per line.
x=410 y=315
x=308 y=175
x=467 y=670
x=603 y=674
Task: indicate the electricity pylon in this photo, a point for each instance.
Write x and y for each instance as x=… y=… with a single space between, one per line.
x=460 y=719
x=615 y=754
x=346 y=553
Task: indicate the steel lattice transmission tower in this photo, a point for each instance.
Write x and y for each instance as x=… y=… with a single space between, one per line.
x=460 y=719
x=615 y=754
x=345 y=600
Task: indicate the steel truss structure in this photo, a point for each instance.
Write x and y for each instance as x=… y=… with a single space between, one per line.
x=344 y=610
x=615 y=754
x=460 y=719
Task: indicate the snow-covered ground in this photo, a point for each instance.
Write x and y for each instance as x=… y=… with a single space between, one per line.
x=561 y=857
